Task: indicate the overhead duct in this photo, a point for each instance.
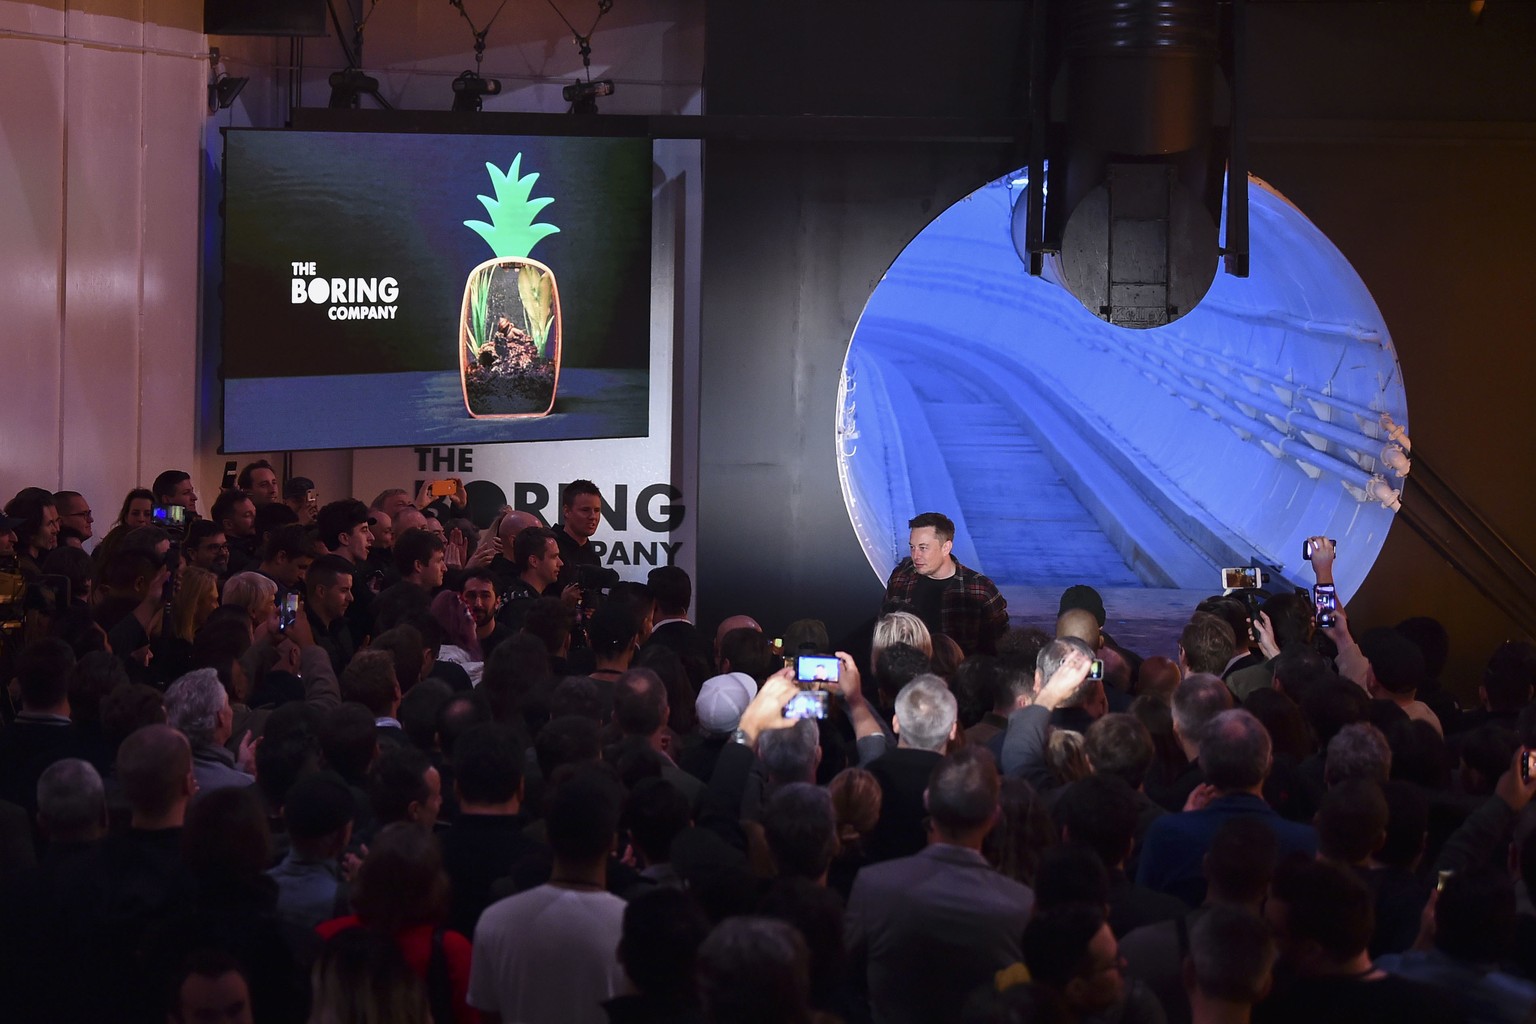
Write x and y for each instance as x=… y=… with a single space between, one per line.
x=1132 y=114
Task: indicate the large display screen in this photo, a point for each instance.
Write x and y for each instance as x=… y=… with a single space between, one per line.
x=386 y=290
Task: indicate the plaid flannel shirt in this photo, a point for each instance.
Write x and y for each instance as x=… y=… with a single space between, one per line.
x=972 y=613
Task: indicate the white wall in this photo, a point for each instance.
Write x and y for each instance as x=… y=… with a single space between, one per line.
x=101 y=120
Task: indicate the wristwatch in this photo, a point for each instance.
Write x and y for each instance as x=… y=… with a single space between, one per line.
x=740 y=736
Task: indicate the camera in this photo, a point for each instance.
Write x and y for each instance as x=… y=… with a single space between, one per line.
x=807 y=704
x=172 y=519
x=1306 y=547
x=817 y=668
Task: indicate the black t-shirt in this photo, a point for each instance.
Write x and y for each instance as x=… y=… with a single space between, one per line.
x=572 y=554
x=1385 y=1000
x=928 y=602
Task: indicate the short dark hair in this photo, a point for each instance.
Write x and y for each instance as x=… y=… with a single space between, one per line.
x=1351 y=821
x=551 y=620
x=579 y=696
x=567 y=739
x=339 y=517
x=1396 y=663
x=654 y=813
x=479 y=574
x=398 y=779
x=611 y=628
x=405 y=646
x=292 y=541
x=43 y=671
x=979 y=688
x=1510 y=676
x=661 y=934
x=487 y=764
x=1291 y=615
x=575 y=489
x=583 y=813
x=1208 y=644
x=326 y=570
x=418 y=711
x=152 y=763
x=273 y=516
x=1475 y=916
x=801 y=829
x=1326 y=905
x=1407 y=823
x=1232 y=951
x=1231 y=611
x=1300 y=670
x=370 y=680
x=415 y=545
x=297 y=487
x=672 y=588
x=317 y=805
x=639 y=702
x=243 y=481
x=1056 y=942
x=1100 y=812
x=1196 y=701
x=166 y=483
x=1120 y=745
x=942 y=524
x=199 y=530
x=349 y=739
x=963 y=790
x=401 y=882
x=225 y=504
x=530 y=542
x=748 y=651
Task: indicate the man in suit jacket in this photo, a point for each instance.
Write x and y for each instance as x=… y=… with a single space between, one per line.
x=1235 y=752
x=673 y=591
x=923 y=931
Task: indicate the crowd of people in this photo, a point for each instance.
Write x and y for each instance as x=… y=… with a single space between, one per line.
x=346 y=762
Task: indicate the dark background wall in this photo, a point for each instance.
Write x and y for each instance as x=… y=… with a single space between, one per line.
x=1404 y=131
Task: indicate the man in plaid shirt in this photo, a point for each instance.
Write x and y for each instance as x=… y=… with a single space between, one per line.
x=959 y=602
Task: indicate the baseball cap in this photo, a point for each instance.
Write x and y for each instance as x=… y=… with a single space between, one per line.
x=722 y=699
x=1085 y=597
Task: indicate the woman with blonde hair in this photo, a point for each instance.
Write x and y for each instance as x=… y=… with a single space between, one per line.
x=197 y=595
x=899 y=628
x=255 y=593
x=361 y=977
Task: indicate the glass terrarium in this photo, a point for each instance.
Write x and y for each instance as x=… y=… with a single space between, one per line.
x=509 y=338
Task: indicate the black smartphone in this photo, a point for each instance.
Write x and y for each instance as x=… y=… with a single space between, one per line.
x=287 y=612
x=807 y=704
x=1327 y=604
x=1306 y=547
x=817 y=668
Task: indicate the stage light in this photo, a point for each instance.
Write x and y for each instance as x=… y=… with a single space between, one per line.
x=582 y=96
x=348 y=87
x=469 y=89
x=223 y=92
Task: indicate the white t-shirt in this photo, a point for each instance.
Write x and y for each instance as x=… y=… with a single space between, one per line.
x=548 y=954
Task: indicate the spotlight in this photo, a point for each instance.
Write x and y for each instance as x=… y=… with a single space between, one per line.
x=223 y=90
x=469 y=89
x=583 y=95
x=348 y=87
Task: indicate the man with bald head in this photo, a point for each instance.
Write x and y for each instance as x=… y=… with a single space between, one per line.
x=1080 y=624
x=1084 y=597
x=505 y=529
x=732 y=623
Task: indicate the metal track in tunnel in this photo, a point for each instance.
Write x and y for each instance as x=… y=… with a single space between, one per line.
x=1027 y=526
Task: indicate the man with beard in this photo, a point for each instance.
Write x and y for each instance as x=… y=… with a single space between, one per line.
x=207 y=547
x=480 y=596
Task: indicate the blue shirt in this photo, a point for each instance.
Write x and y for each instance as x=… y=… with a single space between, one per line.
x=1484 y=996
x=1176 y=844
x=306 y=889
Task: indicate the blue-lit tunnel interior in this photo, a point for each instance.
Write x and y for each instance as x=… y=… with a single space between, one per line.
x=1068 y=450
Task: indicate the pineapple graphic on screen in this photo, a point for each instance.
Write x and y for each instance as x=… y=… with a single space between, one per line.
x=509 y=326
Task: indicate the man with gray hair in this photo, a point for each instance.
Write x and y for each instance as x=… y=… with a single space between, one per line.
x=197 y=705
x=1198 y=699
x=71 y=804
x=1061 y=685
x=1358 y=751
x=926 y=720
x=1235 y=753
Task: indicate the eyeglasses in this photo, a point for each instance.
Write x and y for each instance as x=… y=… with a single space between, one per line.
x=83 y=512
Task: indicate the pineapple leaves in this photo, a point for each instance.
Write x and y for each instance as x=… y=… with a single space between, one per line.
x=512 y=231
x=536 y=290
